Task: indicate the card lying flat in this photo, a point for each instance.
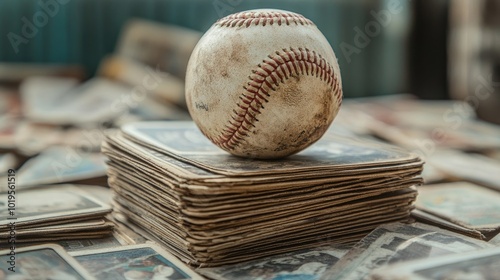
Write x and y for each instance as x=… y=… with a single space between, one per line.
x=146 y=261
x=184 y=141
x=481 y=264
x=463 y=203
x=48 y=261
x=394 y=243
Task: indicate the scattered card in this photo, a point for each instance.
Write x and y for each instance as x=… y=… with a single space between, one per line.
x=146 y=261
x=48 y=261
x=481 y=264
x=303 y=264
x=463 y=203
x=59 y=165
x=475 y=168
x=393 y=243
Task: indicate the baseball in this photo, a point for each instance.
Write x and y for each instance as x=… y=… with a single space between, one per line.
x=263 y=84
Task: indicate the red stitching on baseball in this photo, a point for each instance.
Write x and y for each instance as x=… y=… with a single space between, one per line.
x=271 y=72
x=248 y=19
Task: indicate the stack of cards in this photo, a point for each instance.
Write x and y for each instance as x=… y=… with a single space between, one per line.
x=51 y=213
x=210 y=208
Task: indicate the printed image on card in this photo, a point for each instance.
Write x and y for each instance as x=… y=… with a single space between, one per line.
x=185 y=142
x=134 y=262
x=51 y=167
x=464 y=203
x=397 y=243
x=303 y=264
x=480 y=264
x=40 y=262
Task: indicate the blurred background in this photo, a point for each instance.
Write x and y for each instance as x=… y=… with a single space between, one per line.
x=71 y=69
x=82 y=32
x=427 y=48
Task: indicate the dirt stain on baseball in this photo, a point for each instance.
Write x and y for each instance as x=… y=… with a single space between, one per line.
x=239 y=50
x=291 y=94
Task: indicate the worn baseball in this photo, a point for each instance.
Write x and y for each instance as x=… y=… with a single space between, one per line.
x=263 y=84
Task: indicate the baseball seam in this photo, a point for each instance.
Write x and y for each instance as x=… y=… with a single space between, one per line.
x=262 y=18
x=268 y=75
